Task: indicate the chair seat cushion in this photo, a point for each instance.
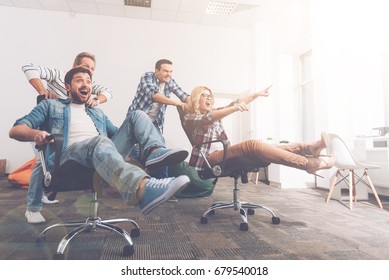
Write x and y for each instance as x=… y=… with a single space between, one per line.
x=235 y=166
x=71 y=176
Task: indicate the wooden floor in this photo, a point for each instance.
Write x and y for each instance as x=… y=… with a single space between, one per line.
x=310 y=229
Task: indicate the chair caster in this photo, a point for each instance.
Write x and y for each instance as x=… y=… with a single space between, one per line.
x=275 y=220
x=250 y=211
x=58 y=256
x=128 y=250
x=204 y=220
x=244 y=226
x=135 y=232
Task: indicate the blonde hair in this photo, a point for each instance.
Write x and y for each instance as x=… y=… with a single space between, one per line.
x=194 y=103
x=80 y=56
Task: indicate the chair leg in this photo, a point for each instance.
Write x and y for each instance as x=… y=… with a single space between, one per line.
x=256 y=178
x=354 y=188
x=350 y=187
x=91 y=224
x=332 y=186
x=373 y=189
x=240 y=206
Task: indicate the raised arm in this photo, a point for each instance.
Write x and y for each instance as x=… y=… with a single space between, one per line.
x=102 y=94
x=251 y=97
x=238 y=105
x=40 y=88
x=35 y=74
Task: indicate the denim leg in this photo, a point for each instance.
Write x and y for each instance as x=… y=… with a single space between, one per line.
x=35 y=188
x=101 y=154
x=159 y=132
x=161 y=172
x=137 y=128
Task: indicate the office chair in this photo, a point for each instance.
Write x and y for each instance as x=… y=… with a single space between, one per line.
x=235 y=168
x=345 y=162
x=72 y=176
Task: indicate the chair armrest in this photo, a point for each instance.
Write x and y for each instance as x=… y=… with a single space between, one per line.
x=58 y=142
x=217 y=169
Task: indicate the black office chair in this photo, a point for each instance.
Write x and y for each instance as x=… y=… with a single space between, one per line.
x=73 y=176
x=236 y=168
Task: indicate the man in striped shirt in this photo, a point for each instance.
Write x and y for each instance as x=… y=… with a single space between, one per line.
x=55 y=80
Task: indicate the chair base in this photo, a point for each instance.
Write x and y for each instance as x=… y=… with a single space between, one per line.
x=92 y=224
x=240 y=206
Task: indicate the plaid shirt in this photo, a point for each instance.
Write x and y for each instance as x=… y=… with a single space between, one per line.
x=203 y=129
x=148 y=86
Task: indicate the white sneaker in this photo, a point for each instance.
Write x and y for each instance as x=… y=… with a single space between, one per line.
x=45 y=200
x=34 y=217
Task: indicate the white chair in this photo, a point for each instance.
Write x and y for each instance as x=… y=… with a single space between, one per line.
x=345 y=162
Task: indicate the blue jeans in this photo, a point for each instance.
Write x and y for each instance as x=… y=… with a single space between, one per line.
x=158 y=173
x=107 y=157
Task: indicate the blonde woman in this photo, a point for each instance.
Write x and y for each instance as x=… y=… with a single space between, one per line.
x=204 y=124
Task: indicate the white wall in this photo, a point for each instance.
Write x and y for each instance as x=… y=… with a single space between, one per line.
x=125 y=48
x=348 y=56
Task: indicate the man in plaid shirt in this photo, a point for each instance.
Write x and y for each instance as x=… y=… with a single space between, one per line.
x=153 y=96
x=154 y=91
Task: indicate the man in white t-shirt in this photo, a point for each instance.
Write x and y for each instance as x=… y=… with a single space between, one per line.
x=93 y=141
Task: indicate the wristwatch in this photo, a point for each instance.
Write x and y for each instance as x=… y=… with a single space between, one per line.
x=97 y=101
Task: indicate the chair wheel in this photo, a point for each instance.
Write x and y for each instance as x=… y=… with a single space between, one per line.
x=204 y=220
x=244 y=226
x=250 y=211
x=128 y=250
x=275 y=220
x=58 y=256
x=135 y=232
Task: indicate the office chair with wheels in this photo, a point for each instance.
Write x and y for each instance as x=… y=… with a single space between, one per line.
x=72 y=176
x=235 y=168
x=345 y=162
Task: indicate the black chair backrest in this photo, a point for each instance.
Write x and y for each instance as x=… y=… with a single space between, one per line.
x=188 y=130
x=230 y=167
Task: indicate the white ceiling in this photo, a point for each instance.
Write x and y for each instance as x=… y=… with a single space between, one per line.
x=183 y=11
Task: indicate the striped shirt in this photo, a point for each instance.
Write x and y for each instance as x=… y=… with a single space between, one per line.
x=148 y=86
x=56 y=81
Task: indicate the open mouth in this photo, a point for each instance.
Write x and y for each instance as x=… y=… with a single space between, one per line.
x=84 y=91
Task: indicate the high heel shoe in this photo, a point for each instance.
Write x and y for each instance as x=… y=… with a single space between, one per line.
x=319 y=163
x=323 y=144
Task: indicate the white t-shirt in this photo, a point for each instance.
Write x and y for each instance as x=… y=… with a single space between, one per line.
x=81 y=125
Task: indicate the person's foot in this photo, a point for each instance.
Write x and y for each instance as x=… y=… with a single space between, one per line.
x=319 y=163
x=158 y=191
x=45 y=200
x=34 y=217
x=320 y=145
x=164 y=157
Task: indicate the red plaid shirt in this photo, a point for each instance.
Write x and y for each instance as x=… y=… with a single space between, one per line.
x=203 y=129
